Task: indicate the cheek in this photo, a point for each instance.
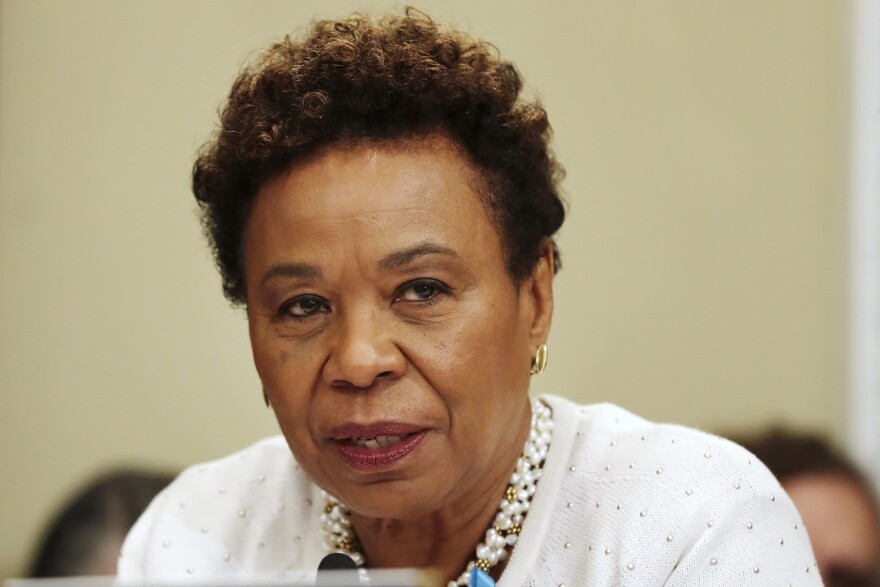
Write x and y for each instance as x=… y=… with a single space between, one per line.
x=277 y=358
x=287 y=377
x=269 y=360
x=476 y=358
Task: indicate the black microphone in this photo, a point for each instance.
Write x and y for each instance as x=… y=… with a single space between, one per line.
x=342 y=571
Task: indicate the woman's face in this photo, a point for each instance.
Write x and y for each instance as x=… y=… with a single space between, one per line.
x=392 y=343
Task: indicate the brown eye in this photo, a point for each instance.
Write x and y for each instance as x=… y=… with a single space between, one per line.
x=304 y=306
x=422 y=290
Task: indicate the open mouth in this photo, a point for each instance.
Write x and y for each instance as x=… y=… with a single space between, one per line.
x=377 y=442
x=368 y=450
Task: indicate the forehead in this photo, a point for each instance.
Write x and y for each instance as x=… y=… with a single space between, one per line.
x=371 y=175
x=375 y=194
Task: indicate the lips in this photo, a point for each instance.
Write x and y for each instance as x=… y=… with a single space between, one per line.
x=376 y=446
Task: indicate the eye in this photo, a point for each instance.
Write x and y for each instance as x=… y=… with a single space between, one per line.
x=421 y=290
x=304 y=306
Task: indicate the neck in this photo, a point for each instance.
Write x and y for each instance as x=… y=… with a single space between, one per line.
x=444 y=540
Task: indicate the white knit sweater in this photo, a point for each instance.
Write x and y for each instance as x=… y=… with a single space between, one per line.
x=621 y=501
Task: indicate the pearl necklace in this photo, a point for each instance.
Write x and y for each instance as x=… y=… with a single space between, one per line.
x=505 y=529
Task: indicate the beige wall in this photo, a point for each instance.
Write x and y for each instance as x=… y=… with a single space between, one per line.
x=703 y=278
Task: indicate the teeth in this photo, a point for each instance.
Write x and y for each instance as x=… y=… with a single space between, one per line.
x=390 y=440
x=376 y=443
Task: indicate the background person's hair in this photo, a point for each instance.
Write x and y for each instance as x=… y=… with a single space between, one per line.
x=385 y=80
x=98 y=515
x=792 y=454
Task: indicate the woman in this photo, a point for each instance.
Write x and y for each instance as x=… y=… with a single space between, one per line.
x=382 y=202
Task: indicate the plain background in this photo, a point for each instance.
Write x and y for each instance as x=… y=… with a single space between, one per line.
x=704 y=252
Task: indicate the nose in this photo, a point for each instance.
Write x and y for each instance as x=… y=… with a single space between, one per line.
x=363 y=353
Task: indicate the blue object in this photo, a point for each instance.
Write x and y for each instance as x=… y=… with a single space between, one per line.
x=480 y=579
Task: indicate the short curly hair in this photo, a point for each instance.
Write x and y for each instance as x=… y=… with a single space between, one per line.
x=380 y=80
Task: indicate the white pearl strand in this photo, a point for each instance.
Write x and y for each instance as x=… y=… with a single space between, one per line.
x=505 y=529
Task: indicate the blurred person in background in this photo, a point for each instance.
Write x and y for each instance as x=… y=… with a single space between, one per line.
x=835 y=499
x=84 y=537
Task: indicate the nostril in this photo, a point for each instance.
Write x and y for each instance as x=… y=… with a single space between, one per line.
x=384 y=375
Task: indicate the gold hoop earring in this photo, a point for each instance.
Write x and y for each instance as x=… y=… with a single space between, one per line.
x=539 y=361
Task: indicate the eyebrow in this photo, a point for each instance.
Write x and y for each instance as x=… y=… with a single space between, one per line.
x=400 y=258
x=300 y=270
x=390 y=262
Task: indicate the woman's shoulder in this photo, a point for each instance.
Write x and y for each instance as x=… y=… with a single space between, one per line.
x=266 y=463
x=663 y=503
x=624 y=444
x=271 y=454
x=195 y=527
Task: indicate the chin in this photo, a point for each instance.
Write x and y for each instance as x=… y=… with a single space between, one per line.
x=399 y=499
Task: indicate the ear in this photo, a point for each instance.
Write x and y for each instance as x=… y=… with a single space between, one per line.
x=538 y=289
